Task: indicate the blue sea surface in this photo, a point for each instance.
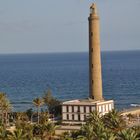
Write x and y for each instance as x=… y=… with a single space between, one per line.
x=24 y=77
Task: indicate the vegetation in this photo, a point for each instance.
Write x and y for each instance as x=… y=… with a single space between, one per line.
x=5 y=108
x=111 y=126
x=108 y=127
x=24 y=128
x=53 y=105
x=38 y=103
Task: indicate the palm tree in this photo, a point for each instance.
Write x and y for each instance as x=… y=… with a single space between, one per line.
x=18 y=134
x=137 y=130
x=128 y=134
x=114 y=121
x=38 y=130
x=2 y=95
x=98 y=127
x=4 y=133
x=96 y=132
x=94 y=128
x=2 y=98
x=94 y=118
x=49 y=130
x=5 y=107
x=87 y=132
x=99 y=131
x=47 y=97
x=38 y=103
x=28 y=130
x=109 y=136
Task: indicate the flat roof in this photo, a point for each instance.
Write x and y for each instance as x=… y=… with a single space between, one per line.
x=86 y=102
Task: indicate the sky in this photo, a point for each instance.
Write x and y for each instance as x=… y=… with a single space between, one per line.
x=44 y=26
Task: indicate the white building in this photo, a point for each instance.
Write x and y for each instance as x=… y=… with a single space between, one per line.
x=76 y=111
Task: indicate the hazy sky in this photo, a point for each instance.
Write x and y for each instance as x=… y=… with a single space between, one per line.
x=28 y=26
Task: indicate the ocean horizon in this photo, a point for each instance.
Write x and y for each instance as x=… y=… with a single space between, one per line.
x=24 y=77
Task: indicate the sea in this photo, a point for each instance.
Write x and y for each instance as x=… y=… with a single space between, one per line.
x=23 y=77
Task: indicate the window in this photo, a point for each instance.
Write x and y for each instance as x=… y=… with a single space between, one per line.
x=103 y=108
x=64 y=109
x=67 y=108
x=72 y=116
x=70 y=108
x=85 y=117
x=78 y=108
x=75 y=117
x=110 y=107
x=100 y=109
x=93 y=108
x=87 y=109
x=64 y=117
x=75 y=108
x=81 y=109
x=82 y=117
x=84 y=109
x=67 y=116
x=78 y=117
x=106 y=107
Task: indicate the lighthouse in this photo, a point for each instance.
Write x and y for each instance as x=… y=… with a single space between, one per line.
x=95 y=74
x=76 y=111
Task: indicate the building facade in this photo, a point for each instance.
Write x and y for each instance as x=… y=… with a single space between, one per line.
x=76 y=111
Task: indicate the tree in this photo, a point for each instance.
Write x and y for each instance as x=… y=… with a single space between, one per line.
x=94 y=118
x=109 y=136
x=108 y=127
x=53 y=105
x=28 y=130
x=29 y=113
x=87 y=132
x=114 y=121
x=49 y=130
x=128 y=134
x=18 y=134
x=38 y=102
x=99 y=130
x=38 y=130
x=137 y=130
x=4 y=133
x=5 y=108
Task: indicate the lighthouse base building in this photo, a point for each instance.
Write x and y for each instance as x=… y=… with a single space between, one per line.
x=76 y=111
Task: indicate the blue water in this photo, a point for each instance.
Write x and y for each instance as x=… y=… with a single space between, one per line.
x=24 y=77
